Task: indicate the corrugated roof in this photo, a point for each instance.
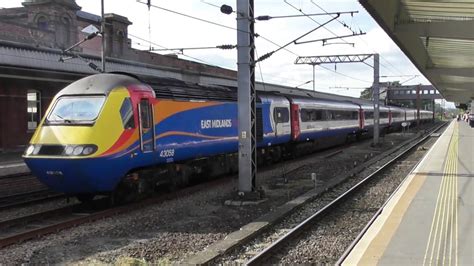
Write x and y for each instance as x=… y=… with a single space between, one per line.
x=438 y=37
x=23 y=56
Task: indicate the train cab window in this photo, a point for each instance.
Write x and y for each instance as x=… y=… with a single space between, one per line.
x=76 y=109
x=281 y=115
x=126 y=112
x=145 y=113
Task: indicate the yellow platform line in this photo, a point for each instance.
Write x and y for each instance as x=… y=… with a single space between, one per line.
x=372 y=246
x=456 y=203
x=445 y=216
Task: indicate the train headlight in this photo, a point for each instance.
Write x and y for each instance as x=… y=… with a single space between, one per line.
x=69 y=150
x=30 y=150
x=77 y=150
x=80 y=150
x=88 y=150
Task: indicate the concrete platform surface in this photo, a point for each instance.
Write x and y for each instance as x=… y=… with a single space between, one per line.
x=429 y=220
x=12 y=163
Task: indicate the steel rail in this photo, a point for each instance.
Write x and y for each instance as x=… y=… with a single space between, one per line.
x=7 y=176
x=277 y=245
x=72 y=220
x=377 y=214
x=21 y=199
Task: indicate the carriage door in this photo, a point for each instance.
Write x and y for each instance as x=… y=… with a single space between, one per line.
x=147 y=131
x=281 y=116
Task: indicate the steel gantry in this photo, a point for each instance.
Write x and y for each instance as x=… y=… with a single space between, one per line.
x=351 y=58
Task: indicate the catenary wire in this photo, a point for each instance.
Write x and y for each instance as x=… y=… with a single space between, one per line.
x=301 y=11
x=322 y=9
x=150 y=42
x=232 y=28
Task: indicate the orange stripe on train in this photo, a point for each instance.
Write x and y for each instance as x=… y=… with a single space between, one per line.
x=162 y=110
x=166 y=108
x=125 y=140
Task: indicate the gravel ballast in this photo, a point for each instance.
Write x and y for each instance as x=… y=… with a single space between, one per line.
x=176 y=229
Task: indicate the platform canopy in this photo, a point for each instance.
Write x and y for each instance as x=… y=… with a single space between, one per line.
x=437 y=36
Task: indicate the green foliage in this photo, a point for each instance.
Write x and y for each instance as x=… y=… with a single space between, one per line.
x=366 y=94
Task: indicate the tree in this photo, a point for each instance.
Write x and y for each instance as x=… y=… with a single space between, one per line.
x=366 y=94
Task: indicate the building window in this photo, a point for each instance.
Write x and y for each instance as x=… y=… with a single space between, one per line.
x=33 y=99
x=42 y=23
x=63 y=32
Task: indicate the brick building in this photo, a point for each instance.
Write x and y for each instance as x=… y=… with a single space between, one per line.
x=32 y=38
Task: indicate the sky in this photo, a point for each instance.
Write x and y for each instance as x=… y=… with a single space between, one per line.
x=170 y=30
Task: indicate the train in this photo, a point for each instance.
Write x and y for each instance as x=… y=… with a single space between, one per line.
x=119 y=134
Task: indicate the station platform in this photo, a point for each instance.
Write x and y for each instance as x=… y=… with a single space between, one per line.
x=429 y=220
x=12 y=163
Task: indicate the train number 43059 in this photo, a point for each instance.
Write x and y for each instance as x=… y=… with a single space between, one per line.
x=167 y=153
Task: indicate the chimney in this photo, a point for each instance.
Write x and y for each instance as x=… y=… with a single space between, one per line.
x=116 y=32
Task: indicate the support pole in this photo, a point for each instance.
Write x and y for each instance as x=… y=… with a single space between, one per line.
x=246 y=97
x=376 y=97
x=314 y=83
x=418 y=105
x=434 y=109
x=102 y=29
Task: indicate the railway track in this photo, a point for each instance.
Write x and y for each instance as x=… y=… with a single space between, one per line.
x=248 y=246
x=299 y=230
x=21 y=199
x=50 y=222
x=19 y=183
x=39 y=224
x=19 y=189
x=13 y=175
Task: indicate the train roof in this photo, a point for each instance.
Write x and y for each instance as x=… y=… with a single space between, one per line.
x=170 y=88
x=97 y=84
x=323 y=102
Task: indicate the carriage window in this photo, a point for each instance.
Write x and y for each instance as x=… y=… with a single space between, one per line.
x=126 y=112
x=329 y=115
x=305 y=117
x=342 y=115
x=369 y=115
x=308 y=115
x=318 y=115
x=396 y=115
x=281 y=115
x=145 y=114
